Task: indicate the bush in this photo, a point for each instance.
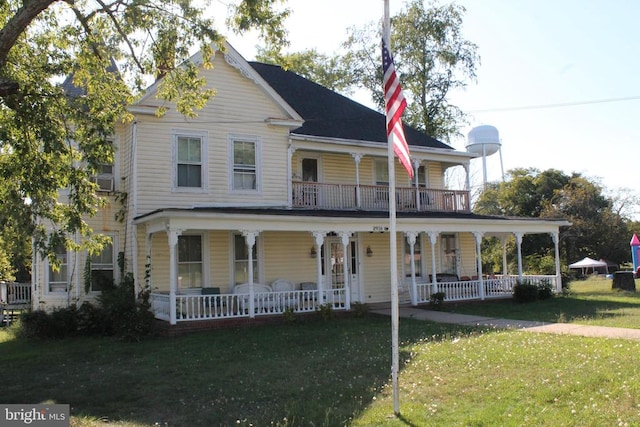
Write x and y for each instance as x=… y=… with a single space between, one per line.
x=38 y=324
x=436 y=300
x=118 y=314
x=325 y=311
x=545 y=290
x=528 y=292
x=525 y=292
x=359 y=309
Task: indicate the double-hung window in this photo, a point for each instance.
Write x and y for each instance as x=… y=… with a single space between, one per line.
x=59 y=278
x=190 y=161
x=190 y=266
x=245 y=166
x=102 y=268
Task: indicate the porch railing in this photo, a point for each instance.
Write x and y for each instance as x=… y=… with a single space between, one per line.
x=315 y=195
x=466 y=290
x=15 y=293
x=191 y=307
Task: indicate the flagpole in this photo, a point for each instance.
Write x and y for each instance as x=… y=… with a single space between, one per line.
x=392 y=245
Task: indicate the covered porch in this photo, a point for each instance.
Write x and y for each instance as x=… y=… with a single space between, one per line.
x=240 y=259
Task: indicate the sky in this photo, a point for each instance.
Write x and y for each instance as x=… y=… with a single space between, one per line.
x=559 y=79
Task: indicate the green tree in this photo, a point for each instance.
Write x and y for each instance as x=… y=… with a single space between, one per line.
x=51 y=141
x=432 y=59
x=597 y=229
x=331 y=72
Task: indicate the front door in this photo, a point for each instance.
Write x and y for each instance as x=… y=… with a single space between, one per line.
x=310 y=174
x=336 y=262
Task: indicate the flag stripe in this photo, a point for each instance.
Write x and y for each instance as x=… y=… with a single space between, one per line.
x=395 y=103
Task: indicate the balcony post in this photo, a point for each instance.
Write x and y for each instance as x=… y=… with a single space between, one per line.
x=416 y=184
x=290 y=150
x=356 y=158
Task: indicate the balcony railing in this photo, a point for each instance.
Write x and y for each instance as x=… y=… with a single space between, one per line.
x=314 y=195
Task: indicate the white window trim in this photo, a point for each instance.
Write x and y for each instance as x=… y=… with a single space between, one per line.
x=204 y=141
x=46 y=266
x=232 y=138
x=309 y=155
x=116 y=269
x=204 y=240
x=375 y=168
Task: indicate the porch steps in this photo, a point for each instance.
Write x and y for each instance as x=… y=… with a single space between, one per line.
x=10 y=313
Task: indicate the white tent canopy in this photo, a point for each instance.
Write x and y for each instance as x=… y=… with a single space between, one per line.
x=587 y=263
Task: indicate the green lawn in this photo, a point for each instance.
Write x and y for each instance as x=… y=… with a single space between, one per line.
x=590 y=302
x=334 y=373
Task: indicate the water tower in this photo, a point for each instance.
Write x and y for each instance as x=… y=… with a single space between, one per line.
x=485 y=140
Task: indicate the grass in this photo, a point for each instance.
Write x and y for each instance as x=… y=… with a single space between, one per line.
x=334 y=373
x=590 y=302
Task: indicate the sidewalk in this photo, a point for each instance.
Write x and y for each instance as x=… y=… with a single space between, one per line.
x=524 y=325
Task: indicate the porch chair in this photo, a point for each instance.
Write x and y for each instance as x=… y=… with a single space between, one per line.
x=282 y=285
x=243 y=300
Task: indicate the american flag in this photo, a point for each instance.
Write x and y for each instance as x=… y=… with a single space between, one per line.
x=395 y=103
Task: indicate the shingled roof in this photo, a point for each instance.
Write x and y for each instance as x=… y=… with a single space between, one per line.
x=331 y=115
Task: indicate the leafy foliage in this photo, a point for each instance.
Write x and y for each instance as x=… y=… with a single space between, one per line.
x=432 y=59
x=54 y=136
x=118 y=314
x=597 y=229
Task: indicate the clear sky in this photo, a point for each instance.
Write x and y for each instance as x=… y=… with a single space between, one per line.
x=533 y=53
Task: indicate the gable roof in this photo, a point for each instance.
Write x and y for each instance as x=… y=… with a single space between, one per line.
x=331 y=115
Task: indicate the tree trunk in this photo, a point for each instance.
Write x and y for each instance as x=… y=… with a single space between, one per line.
x=624 y=280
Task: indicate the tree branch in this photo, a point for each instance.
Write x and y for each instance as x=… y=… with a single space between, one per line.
x=10 y=33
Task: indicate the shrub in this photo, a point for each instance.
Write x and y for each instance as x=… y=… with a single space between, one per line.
x=118 y=314
x=359 y=309
x=525 y=292
x=545 y=290
x=325 y=311
x=38 y=324
x=436 y=300
x=289 y=315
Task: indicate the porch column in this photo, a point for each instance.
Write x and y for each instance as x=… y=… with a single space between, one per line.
x=173 y=235
x=250 y=239
x=556 y=240
x=356 y=158
x=318 y=237
x=478 y=236
x=411 y=239
x=416 y=165
x=433 y=238
x=519 y=245
x=505 y=266
x=345 y=236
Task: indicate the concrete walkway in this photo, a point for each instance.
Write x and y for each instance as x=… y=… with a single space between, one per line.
x=524 y=325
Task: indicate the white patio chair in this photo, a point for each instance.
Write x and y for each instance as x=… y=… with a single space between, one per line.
x=282 y=285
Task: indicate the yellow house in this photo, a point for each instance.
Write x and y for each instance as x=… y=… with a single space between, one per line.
x=276 y=198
